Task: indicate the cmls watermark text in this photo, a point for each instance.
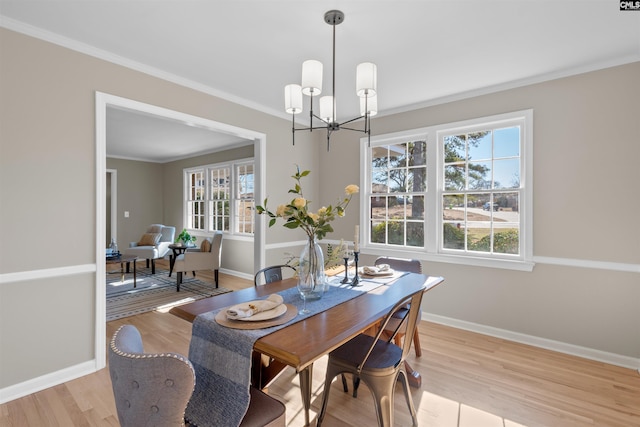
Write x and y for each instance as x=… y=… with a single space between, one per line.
x=629 y=5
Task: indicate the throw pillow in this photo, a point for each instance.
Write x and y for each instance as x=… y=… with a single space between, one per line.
x=205 y=246
x=149 y=239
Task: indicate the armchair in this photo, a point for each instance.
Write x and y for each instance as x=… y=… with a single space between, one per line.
x=153 y=244
x=208 y=258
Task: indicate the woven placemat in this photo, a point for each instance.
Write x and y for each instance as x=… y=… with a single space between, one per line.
x=221 y=319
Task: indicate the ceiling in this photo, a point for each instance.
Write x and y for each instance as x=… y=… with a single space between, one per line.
x=427 y=52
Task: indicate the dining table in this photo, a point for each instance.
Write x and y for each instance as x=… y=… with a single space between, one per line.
x=300 y=342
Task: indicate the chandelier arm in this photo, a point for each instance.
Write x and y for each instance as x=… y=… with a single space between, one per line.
x=297 y=129
x=321 y=119
x=352 y=120
x=353 y=129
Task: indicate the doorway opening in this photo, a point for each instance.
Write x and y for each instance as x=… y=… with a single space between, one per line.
x=105 y=101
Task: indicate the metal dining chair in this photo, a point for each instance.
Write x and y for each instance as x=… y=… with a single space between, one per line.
x=271 y=274
x=395 y=323
x=413 y=266
x=378 y=363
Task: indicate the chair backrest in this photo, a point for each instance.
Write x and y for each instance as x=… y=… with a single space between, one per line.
x=410 y=318
x=216 y=249
x=168 y=232
x=149 y=389
x=270 y=274
x=401 y=264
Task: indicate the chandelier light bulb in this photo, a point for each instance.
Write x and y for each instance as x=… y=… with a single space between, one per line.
x=312 y=77
x=293 y=99
x=326 y=109
x=371 y=105
x=366 y=79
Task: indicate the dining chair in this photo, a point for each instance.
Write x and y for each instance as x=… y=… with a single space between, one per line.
x=413 y=266
x=378 y=363
x=271 y=274
x=153 y=389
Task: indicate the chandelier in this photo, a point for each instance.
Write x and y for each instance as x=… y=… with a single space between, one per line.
x=366 y=85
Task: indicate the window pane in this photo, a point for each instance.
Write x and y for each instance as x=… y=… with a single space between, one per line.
x=395 y=232
x=507 y=142
x=378 y=232
x=415 y=207
x=415 y=234
x=417 y=153
x=452 y=236
x=417 y=179
x=479 y=175
x=454 y=177
x=479 y=145
x=455 y=148
x=398 y=155
x=506 y=173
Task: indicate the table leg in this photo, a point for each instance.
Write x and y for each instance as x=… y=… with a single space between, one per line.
x=305 y=389
x=172 y=261
x=134 y=274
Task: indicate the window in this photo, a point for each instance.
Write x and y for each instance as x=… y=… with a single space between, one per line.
x=220 y=197
x=398 y=181
x=245 y=202
x=456 y=193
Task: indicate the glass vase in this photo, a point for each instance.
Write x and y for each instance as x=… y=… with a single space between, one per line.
x=311 y=269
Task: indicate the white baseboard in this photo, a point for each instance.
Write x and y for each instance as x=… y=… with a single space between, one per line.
x=237 y=274
x=34 y=385
x=561 y=347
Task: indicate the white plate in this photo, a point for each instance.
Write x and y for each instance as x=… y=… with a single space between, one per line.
x=266 y=315
x=388 y=272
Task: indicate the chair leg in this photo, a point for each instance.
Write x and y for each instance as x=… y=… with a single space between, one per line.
x=330 y=375
x=178 y=280
x=382 y=389
x=215 y=273
x=416 y=343
x=356 y=384
x=402 y=376
x=153 y=266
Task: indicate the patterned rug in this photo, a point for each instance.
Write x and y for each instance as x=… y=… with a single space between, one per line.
x=152 y=292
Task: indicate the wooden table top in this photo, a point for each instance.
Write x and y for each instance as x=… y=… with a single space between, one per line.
x=303 y=342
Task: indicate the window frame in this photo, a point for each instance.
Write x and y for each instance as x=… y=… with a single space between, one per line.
x=434 y=191
x=232 y=200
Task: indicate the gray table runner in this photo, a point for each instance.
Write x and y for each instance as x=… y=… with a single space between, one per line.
x=221 y=357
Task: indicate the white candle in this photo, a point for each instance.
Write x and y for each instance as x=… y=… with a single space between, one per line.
x=356 y=247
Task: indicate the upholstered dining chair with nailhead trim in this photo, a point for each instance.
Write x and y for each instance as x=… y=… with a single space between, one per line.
x=153 y=389
x=149 y=389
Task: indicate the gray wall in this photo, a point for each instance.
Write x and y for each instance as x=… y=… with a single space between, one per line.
x=586 y=146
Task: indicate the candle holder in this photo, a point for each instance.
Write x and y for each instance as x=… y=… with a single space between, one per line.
x=356 y=279
x=346 y=270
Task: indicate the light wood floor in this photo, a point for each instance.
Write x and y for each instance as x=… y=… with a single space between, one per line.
x=469 y=380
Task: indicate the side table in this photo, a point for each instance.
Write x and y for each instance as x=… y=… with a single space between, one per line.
x=177 y=250
x=122 y=259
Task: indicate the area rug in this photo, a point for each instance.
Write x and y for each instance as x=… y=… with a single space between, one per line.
x=152 y=292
